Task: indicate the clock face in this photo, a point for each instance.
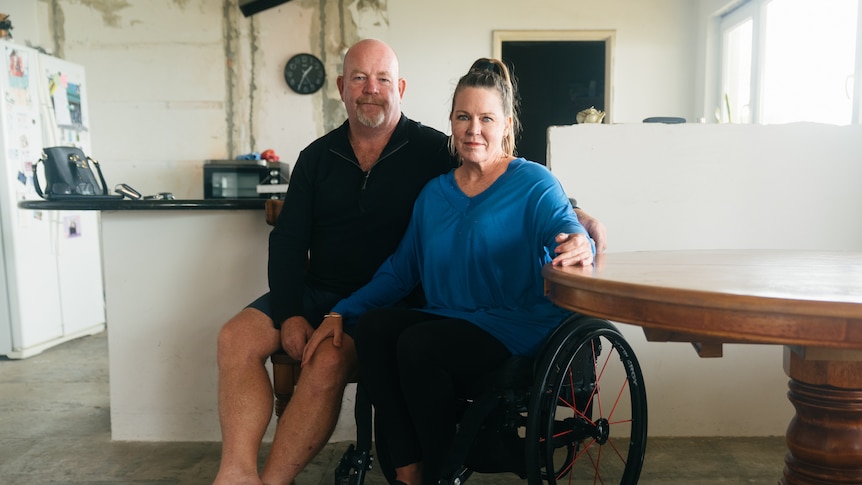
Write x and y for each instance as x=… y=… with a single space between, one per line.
x=304 y=73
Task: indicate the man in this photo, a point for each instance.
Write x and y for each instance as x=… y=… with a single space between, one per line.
x=348 y=204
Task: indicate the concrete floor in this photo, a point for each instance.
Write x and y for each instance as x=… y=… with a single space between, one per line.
x=55 y=428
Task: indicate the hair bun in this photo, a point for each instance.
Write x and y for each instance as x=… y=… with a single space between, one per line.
x=486 y=65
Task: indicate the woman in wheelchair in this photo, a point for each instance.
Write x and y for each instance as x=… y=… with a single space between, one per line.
x=477 y=241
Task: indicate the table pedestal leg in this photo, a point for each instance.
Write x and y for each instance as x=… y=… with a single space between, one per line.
x=824 y=439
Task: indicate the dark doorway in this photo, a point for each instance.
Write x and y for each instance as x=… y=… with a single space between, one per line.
x=556 y=80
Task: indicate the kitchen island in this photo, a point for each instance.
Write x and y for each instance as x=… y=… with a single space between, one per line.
x=175 y=271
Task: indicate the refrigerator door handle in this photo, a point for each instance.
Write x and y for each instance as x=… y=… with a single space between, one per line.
x=56 y=221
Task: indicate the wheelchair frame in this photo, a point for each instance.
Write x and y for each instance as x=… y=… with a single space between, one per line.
x=544 y=419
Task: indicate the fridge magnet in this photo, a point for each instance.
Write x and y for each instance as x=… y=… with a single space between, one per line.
x=72 y=226
x=58 y=89
x=18 y=69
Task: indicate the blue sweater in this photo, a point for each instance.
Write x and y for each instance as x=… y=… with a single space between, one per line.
x=480 y=258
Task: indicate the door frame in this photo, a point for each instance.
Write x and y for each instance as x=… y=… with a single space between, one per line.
x=606 y=36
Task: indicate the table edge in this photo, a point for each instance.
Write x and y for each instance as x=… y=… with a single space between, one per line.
x=711 y=315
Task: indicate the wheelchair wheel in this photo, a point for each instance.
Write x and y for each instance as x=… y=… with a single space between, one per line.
x=587 y=416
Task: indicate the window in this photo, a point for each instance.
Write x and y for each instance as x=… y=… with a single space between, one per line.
x=736 y=71
x=791 y=60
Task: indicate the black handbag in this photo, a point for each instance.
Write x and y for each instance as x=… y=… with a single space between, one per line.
x=69 y=173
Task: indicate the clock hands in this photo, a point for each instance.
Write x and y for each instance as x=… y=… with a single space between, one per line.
x=304 y=75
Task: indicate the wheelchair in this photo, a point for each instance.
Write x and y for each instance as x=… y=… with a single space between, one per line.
x=576 y=413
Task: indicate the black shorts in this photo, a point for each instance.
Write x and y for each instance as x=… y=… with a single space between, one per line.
x=315 y=304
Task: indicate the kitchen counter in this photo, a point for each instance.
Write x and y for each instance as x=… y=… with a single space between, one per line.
x=143 y=204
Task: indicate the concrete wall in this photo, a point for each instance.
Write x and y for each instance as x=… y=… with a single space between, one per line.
x=697 y=186
x=175 y=82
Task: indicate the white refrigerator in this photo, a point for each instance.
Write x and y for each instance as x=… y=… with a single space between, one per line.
x=51 y=287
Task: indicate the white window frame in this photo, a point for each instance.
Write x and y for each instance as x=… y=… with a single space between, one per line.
x=756 y=10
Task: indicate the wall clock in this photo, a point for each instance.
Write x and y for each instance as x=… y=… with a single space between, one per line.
x=304 y=73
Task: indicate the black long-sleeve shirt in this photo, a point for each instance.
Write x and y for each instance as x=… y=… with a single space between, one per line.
x=339 y=223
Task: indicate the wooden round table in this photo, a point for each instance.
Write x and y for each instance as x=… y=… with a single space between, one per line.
x=808 y=301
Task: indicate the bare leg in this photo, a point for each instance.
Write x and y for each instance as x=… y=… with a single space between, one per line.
x=244 y=393
x=409 y=474
x=312 y=413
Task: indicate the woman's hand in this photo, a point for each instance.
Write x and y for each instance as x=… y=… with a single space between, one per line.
x=331 y=326
x=573 y=249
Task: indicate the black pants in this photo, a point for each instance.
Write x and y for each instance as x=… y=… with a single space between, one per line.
x=413 y=366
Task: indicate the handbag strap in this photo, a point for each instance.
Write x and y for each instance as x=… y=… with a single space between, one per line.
x=36 y=177
x=95 y=162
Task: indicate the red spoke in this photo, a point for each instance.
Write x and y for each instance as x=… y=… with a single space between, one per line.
x=596 y=464
x=573 y=405
x=577 y=412
x=598 y=476
x=575 y=458
x=617 y=451
x=566 y=469
x=599 y=376
x=569 y=405
x=619 y=396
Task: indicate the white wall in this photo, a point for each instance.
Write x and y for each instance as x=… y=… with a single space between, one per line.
x=708 y=186
x=173 y=83
x=697 y=186
x=652 y=61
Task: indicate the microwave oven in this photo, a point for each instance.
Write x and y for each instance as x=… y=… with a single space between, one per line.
x=239 y=179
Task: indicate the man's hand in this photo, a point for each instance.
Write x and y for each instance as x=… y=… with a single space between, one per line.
x=573 y=249
x=295 y=332
x=596 y=229
x=330 y=327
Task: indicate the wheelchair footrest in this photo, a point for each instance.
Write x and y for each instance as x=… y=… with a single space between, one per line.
x=352 y=466
x=458 y=478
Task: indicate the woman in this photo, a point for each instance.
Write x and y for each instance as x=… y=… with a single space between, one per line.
x=477 y=241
